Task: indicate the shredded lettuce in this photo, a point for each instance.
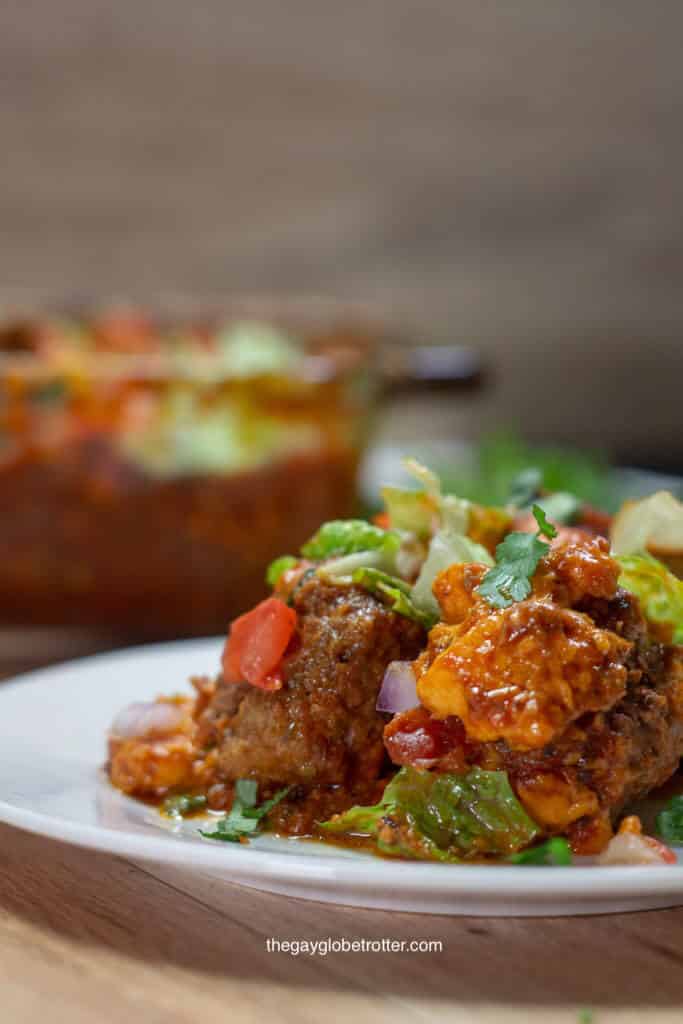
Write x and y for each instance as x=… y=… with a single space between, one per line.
x=447 y=817
x=350 y=536
x=278 y=567
x=425 y=511
x=655 y=523
x=660 y=592
x=250 y=348
x=413 y=511
x=395 y=592
x=446 y=548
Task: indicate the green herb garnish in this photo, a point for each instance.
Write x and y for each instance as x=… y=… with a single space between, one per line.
x=670 y=821
x=244 y=817
x=517 y=559
x=555 y=852
x=182 y=804
x=278 y=567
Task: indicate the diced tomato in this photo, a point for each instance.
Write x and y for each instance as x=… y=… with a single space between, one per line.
x=382 y=519
x=256 y=644
x=416 y=738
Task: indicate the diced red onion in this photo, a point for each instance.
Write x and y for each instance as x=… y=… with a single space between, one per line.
x=147 y=720
x=399 y=688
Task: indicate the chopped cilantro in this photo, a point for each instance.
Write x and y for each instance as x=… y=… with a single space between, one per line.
x=517 y=559
x=670 y=821
x=553 y=852
x=244 y=817
x=545 y=528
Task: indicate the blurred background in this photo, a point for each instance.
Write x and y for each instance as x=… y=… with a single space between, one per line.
x=508 y=176
x=503 y=176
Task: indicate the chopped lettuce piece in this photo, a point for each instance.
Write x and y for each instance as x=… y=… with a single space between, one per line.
x=660 y=592
x=413 y=511
x=446 y=548
x=278 y=567
x=186 y=435
x=429 y=816
x=423 y=512
x=342 y=569
x=655 y=523
x=395 y=592
x=250 y=348
x=349 y=536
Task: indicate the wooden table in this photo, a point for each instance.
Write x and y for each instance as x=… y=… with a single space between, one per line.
x=89 y=937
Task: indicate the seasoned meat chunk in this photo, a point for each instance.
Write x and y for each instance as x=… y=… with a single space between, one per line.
x=321 y=728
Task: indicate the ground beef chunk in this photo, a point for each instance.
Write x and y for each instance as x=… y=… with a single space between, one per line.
x=321 y=729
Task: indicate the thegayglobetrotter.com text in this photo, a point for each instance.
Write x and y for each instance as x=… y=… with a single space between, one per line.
x=330 y=944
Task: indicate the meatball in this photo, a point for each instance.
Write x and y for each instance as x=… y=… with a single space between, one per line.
x=321 y=728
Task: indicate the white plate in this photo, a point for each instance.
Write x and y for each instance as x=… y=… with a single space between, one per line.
x=52 y=739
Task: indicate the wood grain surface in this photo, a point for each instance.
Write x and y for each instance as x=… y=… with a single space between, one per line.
x=505 y=174
x=85 y=937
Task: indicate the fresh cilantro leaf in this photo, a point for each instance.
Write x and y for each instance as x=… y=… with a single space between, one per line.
x=244 y=817
x=246 y=792
x=278 y=567
x=182 y=804
x=555 y=852
x=545 y=529
x=670 y=821
x=517 y=559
